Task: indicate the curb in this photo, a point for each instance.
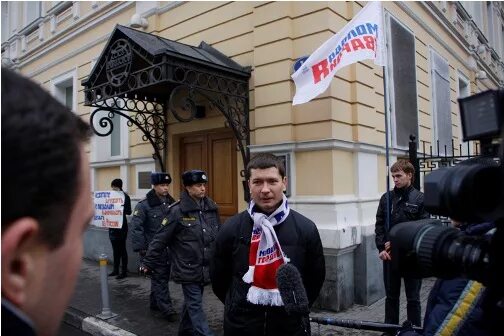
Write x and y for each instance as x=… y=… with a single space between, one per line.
x=92 y=325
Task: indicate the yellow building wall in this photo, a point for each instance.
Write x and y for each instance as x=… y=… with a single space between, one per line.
x=105 y=177
x=269 y=37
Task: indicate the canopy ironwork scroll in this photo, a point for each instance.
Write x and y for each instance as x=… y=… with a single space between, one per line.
x=148 y=116
x=139 y=77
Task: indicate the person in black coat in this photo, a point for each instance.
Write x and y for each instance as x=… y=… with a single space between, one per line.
x=406 y=204
x=146 y=220
x=118 y=236
x=46 y=206
x=189 y=232
x=243 y=268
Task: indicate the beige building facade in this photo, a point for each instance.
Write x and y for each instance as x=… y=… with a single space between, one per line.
x=334 y=146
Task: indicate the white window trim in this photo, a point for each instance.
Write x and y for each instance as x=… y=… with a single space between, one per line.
x=392 y=137
x=65 y=77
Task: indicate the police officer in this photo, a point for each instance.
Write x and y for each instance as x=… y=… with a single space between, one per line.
x=147 y=218
x=189 y=231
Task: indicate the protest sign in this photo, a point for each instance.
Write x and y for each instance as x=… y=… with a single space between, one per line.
x=109 y=207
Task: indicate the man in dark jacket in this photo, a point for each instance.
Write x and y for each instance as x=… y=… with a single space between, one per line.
x=147 y=218
x=118 y=236
x=406 y=204
x=252 y=245
x=46 y=206
x=189 y=232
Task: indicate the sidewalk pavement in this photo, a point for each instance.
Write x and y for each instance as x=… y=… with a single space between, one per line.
x=129 y=299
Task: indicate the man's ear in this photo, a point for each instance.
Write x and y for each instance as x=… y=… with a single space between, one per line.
x=285 y=184
x=18 y=242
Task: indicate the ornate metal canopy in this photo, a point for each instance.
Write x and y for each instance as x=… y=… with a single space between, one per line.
x=142 y=77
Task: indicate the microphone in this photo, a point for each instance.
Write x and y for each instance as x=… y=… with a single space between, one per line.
x=291 y=288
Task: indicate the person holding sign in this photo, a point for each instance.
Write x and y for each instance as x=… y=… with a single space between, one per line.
x=118 y=236
x=189 y=232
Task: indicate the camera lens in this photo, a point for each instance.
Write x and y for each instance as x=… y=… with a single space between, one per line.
x=465 y=192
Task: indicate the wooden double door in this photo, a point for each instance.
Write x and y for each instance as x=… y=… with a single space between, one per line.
x=215 y=153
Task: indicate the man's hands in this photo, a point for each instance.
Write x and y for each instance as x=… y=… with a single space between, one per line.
x=143 y=270
x=385 y=254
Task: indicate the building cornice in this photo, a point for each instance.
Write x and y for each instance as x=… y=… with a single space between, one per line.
x=120 y=162
x=457 y=37
x=59 y=39
x=325 y=144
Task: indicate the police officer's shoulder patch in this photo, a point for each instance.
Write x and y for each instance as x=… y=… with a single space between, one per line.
x=173 y=204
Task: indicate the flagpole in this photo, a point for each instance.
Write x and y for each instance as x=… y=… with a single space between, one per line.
x=387 y=160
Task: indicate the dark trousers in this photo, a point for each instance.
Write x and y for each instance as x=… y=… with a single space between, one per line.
x=160 y=292
x=392 y=281
x=120 y=255
x=253 y=320
x=193 y=321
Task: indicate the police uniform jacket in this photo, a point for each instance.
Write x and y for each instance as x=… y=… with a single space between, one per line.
x=147 y=218
x=406 y=204
x=189 y=231
x=300 y=241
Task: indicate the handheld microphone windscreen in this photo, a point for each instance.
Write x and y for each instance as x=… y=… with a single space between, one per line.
x=291 y=288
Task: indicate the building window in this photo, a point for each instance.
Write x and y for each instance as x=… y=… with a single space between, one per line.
x=475 y=9
x=5 y=21
x=115 y=136
x=115 y=145
x=463 y=91
x=63 y=88
x=441 y=112
x=31 y=11
x=402 y=85
x=490 y=25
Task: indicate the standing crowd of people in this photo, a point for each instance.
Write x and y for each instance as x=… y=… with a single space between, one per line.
x=48 y=208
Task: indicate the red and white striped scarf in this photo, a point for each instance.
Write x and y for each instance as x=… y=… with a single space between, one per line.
x=265 y=256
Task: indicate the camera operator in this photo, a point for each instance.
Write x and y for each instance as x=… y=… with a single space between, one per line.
x=454 y=305
x=406 y=204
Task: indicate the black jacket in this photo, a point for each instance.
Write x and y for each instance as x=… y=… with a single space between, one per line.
x=117 y=234
x=15 y=322
x=147 y=218
x=190 y=233
x=300 y=241
x=407 y=204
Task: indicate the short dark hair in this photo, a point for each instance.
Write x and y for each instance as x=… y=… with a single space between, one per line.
x=116 y=183
x=264 y=161
x=41 y=156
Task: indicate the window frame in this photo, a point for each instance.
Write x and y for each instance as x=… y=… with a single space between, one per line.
x=391 y=103
x=436 y=131
x=25 y=13
x=60 y=83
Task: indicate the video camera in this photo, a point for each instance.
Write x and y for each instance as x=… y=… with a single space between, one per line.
x=471 y=192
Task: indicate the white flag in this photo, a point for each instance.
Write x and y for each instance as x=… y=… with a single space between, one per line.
x=362 y=38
